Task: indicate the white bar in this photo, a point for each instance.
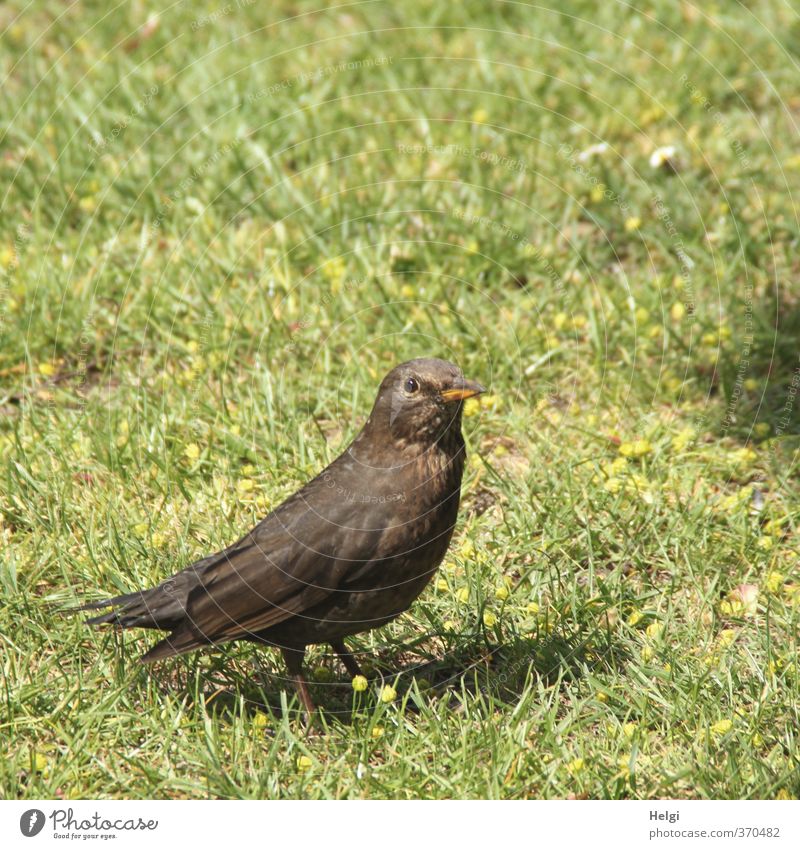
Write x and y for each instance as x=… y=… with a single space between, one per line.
x=394 y=825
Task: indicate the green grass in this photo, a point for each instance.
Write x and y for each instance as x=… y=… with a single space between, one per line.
x=218 y=235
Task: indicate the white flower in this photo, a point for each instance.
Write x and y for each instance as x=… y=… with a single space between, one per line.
x=664 y=157
x=591 y=151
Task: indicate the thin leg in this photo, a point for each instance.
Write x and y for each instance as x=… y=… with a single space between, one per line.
x=294 y=663
x=347 y=658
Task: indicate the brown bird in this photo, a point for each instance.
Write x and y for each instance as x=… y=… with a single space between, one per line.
x=348 y=552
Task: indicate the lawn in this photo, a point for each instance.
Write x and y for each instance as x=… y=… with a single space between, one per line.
x=223 y=223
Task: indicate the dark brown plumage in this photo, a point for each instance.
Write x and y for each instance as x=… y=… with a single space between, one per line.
x=348 y=552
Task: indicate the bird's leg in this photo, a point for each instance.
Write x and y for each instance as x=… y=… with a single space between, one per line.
x=347 y=658
x=294 y=663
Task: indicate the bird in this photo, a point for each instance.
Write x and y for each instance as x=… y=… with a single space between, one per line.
x=348 y=552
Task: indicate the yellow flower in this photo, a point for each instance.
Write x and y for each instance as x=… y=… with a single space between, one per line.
x=647 y=654
x=471 y=407
x=629 y=729
x=774 y=581
x=751 y=384
x=678 y=311
x=633 y=223
x=501 y=593
x=463 y=595
x=635 y=618
x=480 y=116
x=762 y=429
x=653 y=630
x=192 y=451
x=617 y=465
x=140 y=529
x=442 y=586
x=774 y=527
x=489 y=619
x=575 y=766
x=532 y=607
x=47 y=369
x=744 y=456
x=792 y=592
x=359 y=683
x=638 y=485
x=783 y=794
x=245 y=485
x=722 y=727
x=683 y=439
x=377 y=732
x=260 y=720
x=39 y=763
x=388 y=694
x=304 y=763
x=765 y=543
x=637 y=448
x=333 y=270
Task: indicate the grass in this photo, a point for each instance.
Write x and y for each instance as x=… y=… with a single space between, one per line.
x=219 y=232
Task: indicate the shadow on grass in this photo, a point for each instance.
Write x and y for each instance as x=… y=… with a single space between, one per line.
x=765 y=351
x=470 y=666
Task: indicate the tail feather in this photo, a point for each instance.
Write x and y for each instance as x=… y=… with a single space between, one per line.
x=161 y=608
x=181 y=641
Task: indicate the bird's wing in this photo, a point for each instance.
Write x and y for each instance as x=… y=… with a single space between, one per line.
x=294 y=559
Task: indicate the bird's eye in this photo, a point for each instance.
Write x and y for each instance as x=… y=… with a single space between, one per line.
x=411 y=385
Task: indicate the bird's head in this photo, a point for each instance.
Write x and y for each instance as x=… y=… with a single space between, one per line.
x=422 y=400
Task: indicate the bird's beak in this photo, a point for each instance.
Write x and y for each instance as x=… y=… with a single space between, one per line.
x=461 y=390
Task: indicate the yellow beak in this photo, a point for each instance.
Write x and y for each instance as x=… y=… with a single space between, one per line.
x=462 y=390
